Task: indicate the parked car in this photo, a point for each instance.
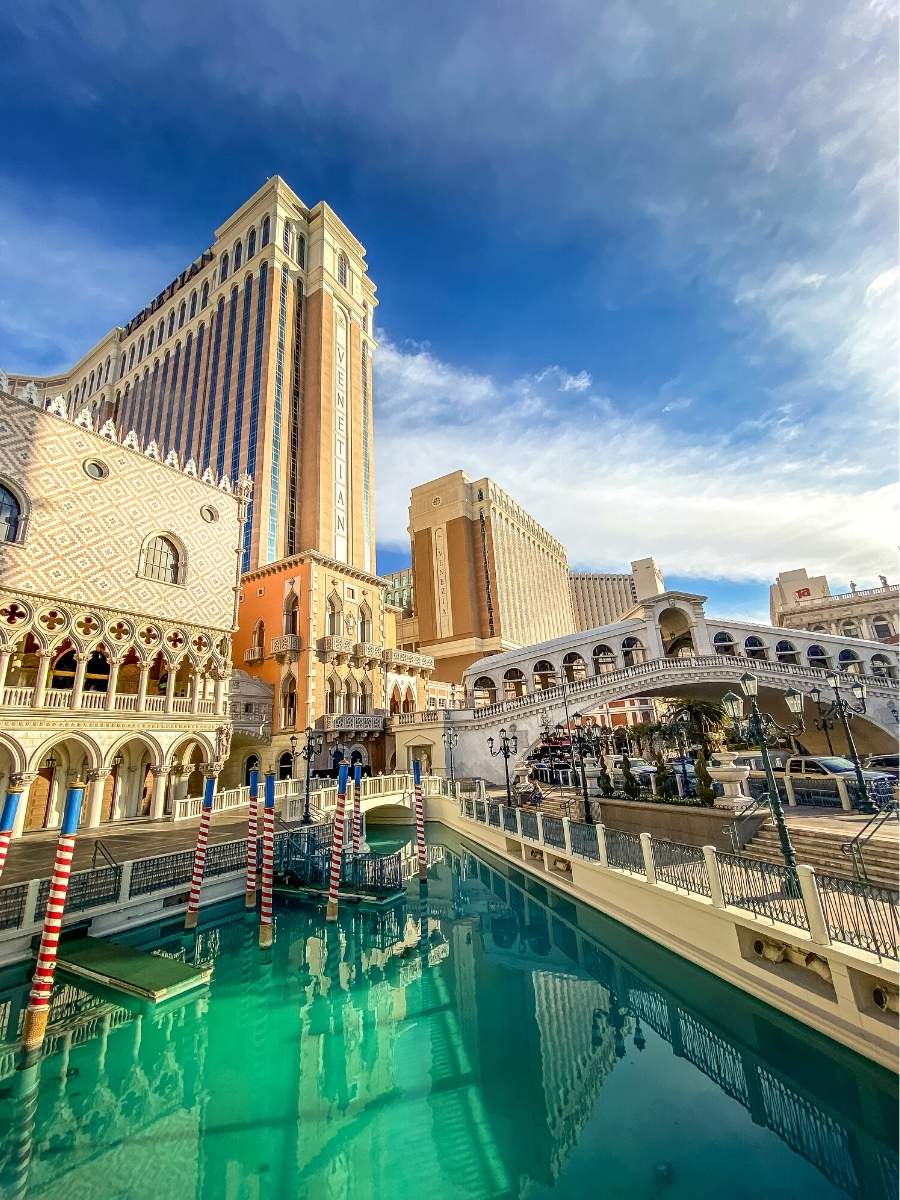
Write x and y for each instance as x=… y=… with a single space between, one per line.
x=809 y=764
x=887 y=763
x=675 y=765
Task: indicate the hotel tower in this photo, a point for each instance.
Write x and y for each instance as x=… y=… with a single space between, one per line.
x=256 y=358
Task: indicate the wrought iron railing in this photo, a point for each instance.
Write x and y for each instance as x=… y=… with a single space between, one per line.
x=494 y=815
x=480 y=811
x=861 y=914
x=623 y=851
x=584 y=840
x=150 y=875
x=767 y=889
x=509 y=820
x=12 y=905
x=681 y=866
x=553 y=831
x=87 y=889
x=529 y=825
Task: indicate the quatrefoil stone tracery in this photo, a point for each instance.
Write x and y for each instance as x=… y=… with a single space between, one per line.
x=13 y=614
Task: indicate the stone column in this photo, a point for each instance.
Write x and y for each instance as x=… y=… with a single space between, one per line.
x=114 y=665
x=26 y=782
x=170 y=686
x=219 y=694
x=5 y=656
x=94 y=799
x=158 y=795
x=195 y=691
x=81 y=661
x=141 y=705
x=40 y=680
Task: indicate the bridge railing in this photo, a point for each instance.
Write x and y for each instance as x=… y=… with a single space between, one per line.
x=841 y=911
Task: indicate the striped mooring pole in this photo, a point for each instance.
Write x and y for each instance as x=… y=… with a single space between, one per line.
x=209 y=791
x=337 y=845
x=10 y=808
x=268 y=859
x=420 y=817
x=250 y=891
x=38 y=1010
x=357 y=809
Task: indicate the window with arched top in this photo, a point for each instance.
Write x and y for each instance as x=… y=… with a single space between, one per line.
x=223 y=267
x=343 y=269
x=150 y=341
x=786 y=652
x=182 y=314
x=335 y=616
x=204 y=295
x=514 y=684
x=91 y=377
x=292 y=614
x=723 y=643
x=365 y=624
x=300 y=251
x=818 y=657
x=544 y=675
x=334 y=695
x=131 y=358
x=632 y=651
x=265 y=232
x=170 y=329
x=574 y=668
x=882 y=667
x=251 y=243
x=848 y=660
x=755 y=647
x=289 y=704
x=162 y=560
x=849 y=629
x=193 y=305
x=106 y=372
x=12 y=524
x=484 y=691
x=259 y=635
x=365 y=697
x=96 y=672
x=286 y=238
x=882 y=628
x=604 y=660
x=237 y=254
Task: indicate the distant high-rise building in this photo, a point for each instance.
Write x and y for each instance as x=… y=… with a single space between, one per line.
x=487 y=576
x=601 y=599
x=801 y=601
x=257 y=358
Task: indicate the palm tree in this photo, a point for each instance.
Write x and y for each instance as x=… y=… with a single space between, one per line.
x=703 y=718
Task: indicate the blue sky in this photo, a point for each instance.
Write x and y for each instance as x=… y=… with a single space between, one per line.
x=636 y=261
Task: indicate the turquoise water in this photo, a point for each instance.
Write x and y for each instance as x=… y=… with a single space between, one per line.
x=518 y=1045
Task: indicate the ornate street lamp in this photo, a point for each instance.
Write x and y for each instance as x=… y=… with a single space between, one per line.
x=580 y=740
x=315 y=739
x=508 y=746
x=845 y=713
x=450 y=738
x=760 y=727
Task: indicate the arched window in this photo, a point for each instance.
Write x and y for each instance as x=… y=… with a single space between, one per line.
x=817 y=657
x=286 y=238
x=723 y=643
x=131 y=358
x=62 y=676
x=11 y=523
x=343 y=269
x=574 y=668
x=786 y=652
x=252 y=764
x=292 y=614
x=259 y=636
x=632 y=651
x=755 y=647
x=881 y=666
x=365 y=624
x=604 y=660
x=334 y=695
x=301 y=251
x=514 y=684
x=335 y=616
x=96 y=673
x=150 y=342
x=140 y=353
x=223 y=267
x=882 y=628
x=544 y=675
x=91 y=377
x=163 y=561
x=237 y=254
x=106 y=372
x=171 y=327
x=484 y=692
x=848 y=660
x=849 y=629
x=350 y=695
x=285 y=765
x=193 y=307
x=251 y=243
x=289 y=704
x=204 y=295
x=265 y=232
x=122 y=367
x=182 y=314
x=365 y=697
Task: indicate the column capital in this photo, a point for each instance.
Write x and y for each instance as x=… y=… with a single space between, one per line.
x=211 y=770
x=96 y=773
x=158 y=771
x=22 y=779
x=83 y=657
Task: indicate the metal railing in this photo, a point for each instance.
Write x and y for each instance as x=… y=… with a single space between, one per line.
x=553 y=831
x=494 y=815
x=584 y=840
x=681 y=866
x=861 y=914
x=529 y=824
x=509 y=820
x=87 y=889
x=764 y=888
x=623 y=851
x=12 y=905
x=856 y=847
x=157 y=874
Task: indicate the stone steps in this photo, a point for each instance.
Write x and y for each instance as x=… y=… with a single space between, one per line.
x=821 y=850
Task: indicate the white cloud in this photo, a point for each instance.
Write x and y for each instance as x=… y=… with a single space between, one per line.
x=614 y=485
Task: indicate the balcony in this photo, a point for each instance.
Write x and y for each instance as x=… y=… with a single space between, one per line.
x=335 y=647
x=286 y=643
x=407 y=662
x=351 y=722
x=60 y=699
x=254 y=654
x=367 y=652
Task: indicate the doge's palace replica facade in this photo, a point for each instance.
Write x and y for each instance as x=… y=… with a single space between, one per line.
x=119 y=572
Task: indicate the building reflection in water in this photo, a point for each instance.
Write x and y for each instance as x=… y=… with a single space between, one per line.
x=374 y=1054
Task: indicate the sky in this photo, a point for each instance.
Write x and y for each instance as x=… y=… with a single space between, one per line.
x=636 y=260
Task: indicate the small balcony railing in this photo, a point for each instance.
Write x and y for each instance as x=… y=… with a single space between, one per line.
x=335 y=646
x=367 y=651
x=286 y=643
x=408 y=660
x=253 y=654
x=358 y=722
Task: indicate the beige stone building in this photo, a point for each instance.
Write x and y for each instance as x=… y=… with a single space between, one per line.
x=486 y=575
x=600 y=599
x=118 y=599
x=801 y=601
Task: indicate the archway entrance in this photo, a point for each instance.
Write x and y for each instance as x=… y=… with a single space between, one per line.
x=675 y=632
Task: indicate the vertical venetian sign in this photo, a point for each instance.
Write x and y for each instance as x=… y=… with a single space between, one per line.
x=443 y=618
x=341 y=441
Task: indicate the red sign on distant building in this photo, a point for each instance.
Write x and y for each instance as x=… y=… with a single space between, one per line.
x=803 y=593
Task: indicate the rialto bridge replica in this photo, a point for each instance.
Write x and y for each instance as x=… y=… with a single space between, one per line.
x=118 y=599
x=664 y=647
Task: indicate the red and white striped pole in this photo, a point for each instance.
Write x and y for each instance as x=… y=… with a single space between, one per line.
x=38 y=1009
x=268 y=857
x=420 y=817
x=337 y=845
x=357 y=806
x=250 y=890
x=10 y=808
x=209 y=791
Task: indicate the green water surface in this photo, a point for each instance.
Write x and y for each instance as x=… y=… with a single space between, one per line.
x=492 y=1040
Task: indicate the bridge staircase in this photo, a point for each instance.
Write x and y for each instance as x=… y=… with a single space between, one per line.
x=875 y=860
